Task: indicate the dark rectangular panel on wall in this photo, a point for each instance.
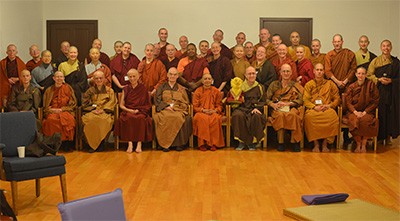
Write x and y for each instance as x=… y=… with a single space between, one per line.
x=79 y=33
x=285 y=26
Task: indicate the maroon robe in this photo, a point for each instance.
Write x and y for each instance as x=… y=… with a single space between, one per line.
x=31 y=64
x=221 y=70
x=169 y=64
x=119 y=67
x=305 y=69
x=5 y=86
x=193 y=71
x=135 y=127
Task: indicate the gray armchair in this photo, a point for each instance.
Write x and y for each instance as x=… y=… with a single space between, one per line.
x=19 y=129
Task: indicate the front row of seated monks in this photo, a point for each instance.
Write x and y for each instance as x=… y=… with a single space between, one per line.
x=287 y=100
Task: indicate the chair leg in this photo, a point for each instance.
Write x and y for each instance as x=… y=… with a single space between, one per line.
x=265 y=142
x=63 y=187
x=375 y=143
x=116 y=140
x=37 y=181
x=14 y=193
x=191 y=141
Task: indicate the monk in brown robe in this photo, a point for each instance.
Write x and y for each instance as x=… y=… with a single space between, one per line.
x=292 y=49
x=340 y=64
x=284 y=58
x=264 y=41
x=218 y=36
x=173 y=125
x=250 y=53
x=98 y=105
x=192 y=68
x=34 y=52
x=96 y=65
x=24 y=96
x=276 y=40
x=317 y=56
x=285 y=97
x=75 y=74
x=134 y=123
x=207 y=121
x=152 y=70
x=239 y=63
x=384 y=70
x=10 y=69
x=248 y=121
x=120 y=65
x=264 y=68
x=104 y=58
x=59 y=104
x=305 y=68
x=362 y=98
x=321 y=97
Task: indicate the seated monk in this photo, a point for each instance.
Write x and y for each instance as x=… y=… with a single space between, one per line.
x=96 y=65
x=98 y=104
x=285 y=98
x=59 y=104
x=42 y=76
x=248 y=121
x=173 y=125
x=75 y=73
x=24 y=96
x=134 y=123
x=321 y=97
x=362 y=98
x=192 y=68
x=207 y=121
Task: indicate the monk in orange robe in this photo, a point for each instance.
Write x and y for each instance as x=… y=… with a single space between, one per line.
x=10 y=69
x=207 y=122
x=284 y=58
x=317 y=56
x=59 y=103
x=152 y=70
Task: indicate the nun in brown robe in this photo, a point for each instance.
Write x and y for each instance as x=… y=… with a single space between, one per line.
x=362 y=98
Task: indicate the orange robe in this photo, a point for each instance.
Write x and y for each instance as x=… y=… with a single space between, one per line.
x=5 y=86
x=153 y=74
x=107 y=75
x=341 y=64
x=278 y=64
x=208 y=128
x=320 y=59
x=62 y=97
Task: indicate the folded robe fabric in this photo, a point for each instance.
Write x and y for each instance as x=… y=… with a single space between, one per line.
x=324 y=198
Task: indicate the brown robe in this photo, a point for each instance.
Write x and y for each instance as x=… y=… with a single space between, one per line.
x=62 y=97
x=247 y=127
x=5 y=86
x=321 y=124
x=239 y=67
x=28 y=100
x=173 y=128
x=97 y=126
x=152 y=74
x=361 y=98
x=139 y=126
x=208 y=128
x=292 y=120
x=340 y=64
x=320 y=59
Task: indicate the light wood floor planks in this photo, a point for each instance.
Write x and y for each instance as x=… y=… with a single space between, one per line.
x=221 y=185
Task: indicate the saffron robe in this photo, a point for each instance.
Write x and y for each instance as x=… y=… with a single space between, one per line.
x=247 y=127
x=265 y=73
x=389 y=106
x=31 y=64
x=104 y=59
x=152 y=74
x=321 y=124
x=208 y=128
x=278 y=64
x=62 y=97
x=363 y=60
x=341 y=64
x=139 y=126
x=77 y=78
x=239 y=67
x=361 y=98
x=5 y=86
x=97 y=126
x=319 y=59
x=119 y=67
x=292 y=120
x=173 y=128
x=305 y=69
x=28 y=100
x=292 y=52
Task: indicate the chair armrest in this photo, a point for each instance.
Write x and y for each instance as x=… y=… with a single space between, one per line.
x=2 y=172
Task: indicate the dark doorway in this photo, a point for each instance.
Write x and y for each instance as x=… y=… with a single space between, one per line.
x=79 y=33
x=285 y=26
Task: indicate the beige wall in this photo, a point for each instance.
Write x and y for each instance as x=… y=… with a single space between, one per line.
x=138 y=21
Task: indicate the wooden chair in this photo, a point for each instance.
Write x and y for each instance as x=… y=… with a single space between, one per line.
x=343 y=125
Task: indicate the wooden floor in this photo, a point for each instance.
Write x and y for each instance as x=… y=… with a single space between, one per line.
x=221 y=185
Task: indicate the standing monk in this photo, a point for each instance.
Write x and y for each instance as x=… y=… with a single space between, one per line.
x=64 y=48
x=363 y=55
x=104 y=59
x=42 y=76
x=35 y=61
x=96 y=65
x=264 y=68
x=264 y=41
x=160 y=46
x=284 y=58
x=207 y=121
x=171 y=60
x=220 y=68
x=10 y=69
x=295 y=40
x=304 y=67
x=183 y=42
x=317 y=56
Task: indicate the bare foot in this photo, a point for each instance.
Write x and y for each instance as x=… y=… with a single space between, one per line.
x=130 y=147
x=139 y=147
x=325 y=149
x=363 y=149
x=357 y=150
x=316 y=149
